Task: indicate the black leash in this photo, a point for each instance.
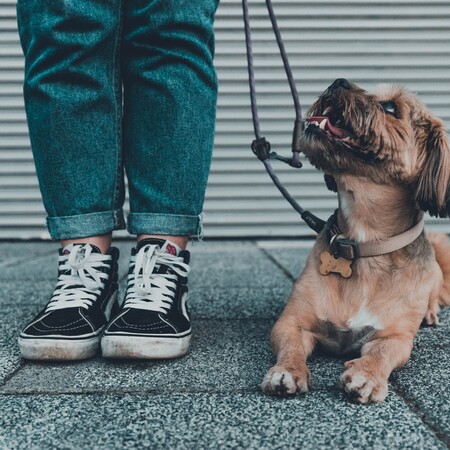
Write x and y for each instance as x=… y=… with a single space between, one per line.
x=260 y=146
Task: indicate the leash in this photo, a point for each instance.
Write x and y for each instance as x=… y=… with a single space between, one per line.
x=261 y=146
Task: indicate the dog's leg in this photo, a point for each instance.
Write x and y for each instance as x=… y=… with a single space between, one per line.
x=292 y=346
x=441 y=245
x=365 y=379
x=431 y=317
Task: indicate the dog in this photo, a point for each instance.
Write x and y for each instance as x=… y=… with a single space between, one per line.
x=373 y=275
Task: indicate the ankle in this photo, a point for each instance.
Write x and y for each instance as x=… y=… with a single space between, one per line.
x=103 y=242
x=180 y=241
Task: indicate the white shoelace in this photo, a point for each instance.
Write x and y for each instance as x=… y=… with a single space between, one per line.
x=153 y=291
x=81 y=287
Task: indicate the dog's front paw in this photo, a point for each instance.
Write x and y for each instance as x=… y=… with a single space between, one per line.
x=282 y=382
x=362 y=386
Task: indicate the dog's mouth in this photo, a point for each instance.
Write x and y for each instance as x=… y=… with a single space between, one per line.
x=332 y=123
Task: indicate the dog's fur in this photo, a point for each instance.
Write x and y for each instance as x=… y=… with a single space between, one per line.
x=394 y=165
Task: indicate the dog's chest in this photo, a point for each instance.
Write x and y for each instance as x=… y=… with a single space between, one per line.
x=358 y=330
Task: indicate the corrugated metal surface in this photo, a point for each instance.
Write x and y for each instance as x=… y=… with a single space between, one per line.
x=368 y=42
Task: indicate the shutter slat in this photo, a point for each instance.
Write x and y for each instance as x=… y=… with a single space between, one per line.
x=403 y=41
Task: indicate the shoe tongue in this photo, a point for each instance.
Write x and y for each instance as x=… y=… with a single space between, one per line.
x=165 y=246
x=68 y=248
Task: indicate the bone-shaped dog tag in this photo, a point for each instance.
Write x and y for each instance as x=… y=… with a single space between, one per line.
x=339 y=265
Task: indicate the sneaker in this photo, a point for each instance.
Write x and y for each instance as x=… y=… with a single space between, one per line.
x=71 y=324
x=153 y=322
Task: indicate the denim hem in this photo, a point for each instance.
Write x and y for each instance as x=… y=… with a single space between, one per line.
x=165 y=224
x=83 y=225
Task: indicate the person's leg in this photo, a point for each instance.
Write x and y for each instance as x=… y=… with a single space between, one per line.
x=170 y=91
x=72 y=93
x=73 y=99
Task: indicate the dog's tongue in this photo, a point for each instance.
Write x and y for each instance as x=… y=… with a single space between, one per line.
x=326 y=125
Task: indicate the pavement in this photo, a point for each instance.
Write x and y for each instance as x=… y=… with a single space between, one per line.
x=211 y=398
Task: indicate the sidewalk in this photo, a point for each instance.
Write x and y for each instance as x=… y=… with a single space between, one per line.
x=212 y=397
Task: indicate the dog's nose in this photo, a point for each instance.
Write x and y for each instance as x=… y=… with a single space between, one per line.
x=341 y=82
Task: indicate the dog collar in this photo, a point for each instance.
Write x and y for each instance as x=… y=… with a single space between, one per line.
x=349 y=249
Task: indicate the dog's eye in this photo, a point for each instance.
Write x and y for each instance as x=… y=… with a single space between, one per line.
x=389 y=108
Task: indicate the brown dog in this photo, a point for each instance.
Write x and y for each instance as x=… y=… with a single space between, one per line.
x=388 y=158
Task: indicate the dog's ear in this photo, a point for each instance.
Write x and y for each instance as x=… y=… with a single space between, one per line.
x=330 y=182
x=432 y=190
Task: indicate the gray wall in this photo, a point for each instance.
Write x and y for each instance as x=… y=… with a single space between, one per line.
x=405 y=41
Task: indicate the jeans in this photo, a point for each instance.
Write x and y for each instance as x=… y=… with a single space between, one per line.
x=113 y=86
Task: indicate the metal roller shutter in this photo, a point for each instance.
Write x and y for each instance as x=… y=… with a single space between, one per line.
x=405 y=41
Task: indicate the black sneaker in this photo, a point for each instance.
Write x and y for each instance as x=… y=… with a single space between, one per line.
x=153 y=322
x=70 y=326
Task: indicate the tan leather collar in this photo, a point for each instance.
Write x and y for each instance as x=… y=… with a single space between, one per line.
x=341 y=246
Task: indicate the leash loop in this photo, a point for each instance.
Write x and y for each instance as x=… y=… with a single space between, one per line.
x=261 y=148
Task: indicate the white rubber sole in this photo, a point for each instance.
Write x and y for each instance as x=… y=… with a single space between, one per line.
x=54 y=348
x=141 y=347
x=59 y=349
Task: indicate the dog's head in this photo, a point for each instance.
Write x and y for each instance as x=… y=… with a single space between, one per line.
x=388 y=136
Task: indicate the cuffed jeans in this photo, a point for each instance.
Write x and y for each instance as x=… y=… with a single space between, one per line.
x=114 y=85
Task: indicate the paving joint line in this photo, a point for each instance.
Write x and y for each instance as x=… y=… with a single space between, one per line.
x=415 y=409
x=12 y=374
x=286 y=272
x=154 y=392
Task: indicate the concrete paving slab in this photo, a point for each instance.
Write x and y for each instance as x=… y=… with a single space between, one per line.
x=211 y=398
x=248 y=267
x=323 y=420
x=38 y=268
x=220 y=246
x=226 y=356
x=237 y=302
x=14 y=265
x=291 y=259
x=425 y=379
x=26 y=248
x=216 y=302
x=18 y=294
x=238 y=350
x=11 y=322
